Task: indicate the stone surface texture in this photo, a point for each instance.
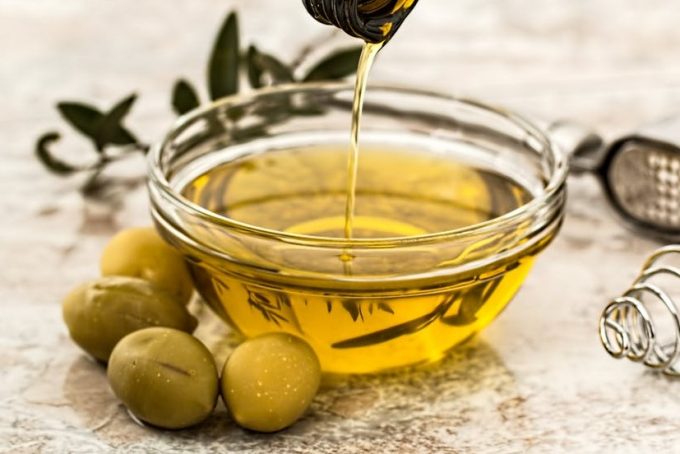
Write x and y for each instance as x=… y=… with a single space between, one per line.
x=537 y=380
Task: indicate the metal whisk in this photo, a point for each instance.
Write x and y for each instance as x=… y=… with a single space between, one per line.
x=630 y=328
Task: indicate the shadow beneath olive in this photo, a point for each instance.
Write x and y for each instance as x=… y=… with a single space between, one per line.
x=86 y=389
x=214 y=333
x=471 y=387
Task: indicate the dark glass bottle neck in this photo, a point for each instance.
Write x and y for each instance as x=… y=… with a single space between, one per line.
x=371 y=20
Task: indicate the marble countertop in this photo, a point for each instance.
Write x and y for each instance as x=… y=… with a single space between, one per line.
x=537 y=380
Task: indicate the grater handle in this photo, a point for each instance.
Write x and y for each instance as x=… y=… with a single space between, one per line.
x=584 y=147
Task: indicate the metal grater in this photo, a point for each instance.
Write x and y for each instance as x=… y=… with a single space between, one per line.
x=640 y=172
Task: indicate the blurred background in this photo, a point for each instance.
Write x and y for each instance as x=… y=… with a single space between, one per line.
x=612 y=63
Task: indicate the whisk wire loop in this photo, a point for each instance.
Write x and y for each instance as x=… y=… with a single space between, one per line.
x=661 y=253
x=618 y=328
x=628 y=329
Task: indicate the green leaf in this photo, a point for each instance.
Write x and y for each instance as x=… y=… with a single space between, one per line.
x=111 y=130
x=255 y=70
x=472 y=302
x=403 y=329
x=260 y=64
x=184 y=97
x=353 y=308
x=102 y=129
x=385 y=308
x=51 y=163
x=123 y=136
x=336 y=66
x=270 y=312
x=223 y=68
x=84 y=118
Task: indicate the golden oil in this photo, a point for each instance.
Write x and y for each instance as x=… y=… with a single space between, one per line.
x=368 y=54
x=399 y=193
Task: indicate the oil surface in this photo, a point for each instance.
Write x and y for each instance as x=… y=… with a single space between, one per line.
x=400 y=193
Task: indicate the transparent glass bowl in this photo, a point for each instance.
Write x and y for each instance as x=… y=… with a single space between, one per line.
x=408 y=299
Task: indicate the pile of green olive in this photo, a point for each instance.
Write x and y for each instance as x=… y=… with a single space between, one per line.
x=135 y=319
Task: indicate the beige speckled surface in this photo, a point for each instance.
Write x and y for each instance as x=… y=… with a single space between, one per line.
x=537 y=380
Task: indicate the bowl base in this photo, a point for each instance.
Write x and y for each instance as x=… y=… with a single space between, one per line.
x=364 y=334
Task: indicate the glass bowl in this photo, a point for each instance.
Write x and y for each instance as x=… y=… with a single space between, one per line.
x=369 y=303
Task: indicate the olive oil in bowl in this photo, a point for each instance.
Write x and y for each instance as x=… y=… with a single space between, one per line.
x=400 y=194
x=453 y=202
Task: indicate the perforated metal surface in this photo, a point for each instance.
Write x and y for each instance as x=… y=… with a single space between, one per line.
x=645 y=181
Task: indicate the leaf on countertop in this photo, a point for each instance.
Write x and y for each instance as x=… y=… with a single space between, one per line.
x=111 y=129
x=184 y=97
x=102 y=129
x=51 y=163
x=83 y=117
x=223 y=68
x=338 y=65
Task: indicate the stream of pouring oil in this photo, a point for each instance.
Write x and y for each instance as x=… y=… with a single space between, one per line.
x=368 y=54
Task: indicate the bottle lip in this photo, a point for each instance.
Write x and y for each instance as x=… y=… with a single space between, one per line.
x=375 y=26
x=548 y=203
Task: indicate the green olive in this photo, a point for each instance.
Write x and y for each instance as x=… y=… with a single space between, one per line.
x=269 y=382
x=165 y=377
x=100 y=313
x=141 y=252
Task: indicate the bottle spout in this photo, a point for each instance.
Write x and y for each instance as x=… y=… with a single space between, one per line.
x=374 y=21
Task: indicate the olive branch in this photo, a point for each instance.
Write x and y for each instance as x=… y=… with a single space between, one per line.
x=228 y=65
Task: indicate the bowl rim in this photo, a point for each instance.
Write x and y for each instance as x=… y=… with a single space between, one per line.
x=548 y=197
